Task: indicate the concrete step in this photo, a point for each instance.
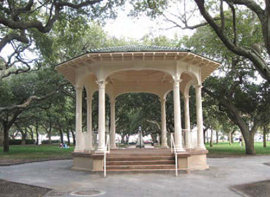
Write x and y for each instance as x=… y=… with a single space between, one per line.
x=140 y=161
x=138 y=167
x=137 y=158
x=147 y=162
x=141 y=171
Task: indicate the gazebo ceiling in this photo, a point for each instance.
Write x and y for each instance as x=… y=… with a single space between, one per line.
x=139 y=76
x=136 y=53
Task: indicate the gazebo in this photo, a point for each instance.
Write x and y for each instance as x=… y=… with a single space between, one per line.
x=138 y=68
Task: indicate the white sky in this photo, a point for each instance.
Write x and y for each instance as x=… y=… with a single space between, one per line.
x=128 y=27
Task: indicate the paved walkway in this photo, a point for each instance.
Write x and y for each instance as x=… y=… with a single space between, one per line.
x=223 y=173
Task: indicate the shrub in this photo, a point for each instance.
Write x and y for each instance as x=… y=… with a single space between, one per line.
x=53 y=141
x=19 y=142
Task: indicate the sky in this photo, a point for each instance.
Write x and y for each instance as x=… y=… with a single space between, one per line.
x=125 y=26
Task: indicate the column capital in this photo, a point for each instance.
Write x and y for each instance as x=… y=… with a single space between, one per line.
x=89 y=98
x=162 y=100
x=198 y=86
x=187 y=96
x=176 y=81
x=78 y=88
x=101 y=83
x=113 y=101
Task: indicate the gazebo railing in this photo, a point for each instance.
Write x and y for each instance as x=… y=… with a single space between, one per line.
x=106 y=150
x=173 y=150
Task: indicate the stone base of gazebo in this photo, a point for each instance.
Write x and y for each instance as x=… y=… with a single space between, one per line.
x=141 y=160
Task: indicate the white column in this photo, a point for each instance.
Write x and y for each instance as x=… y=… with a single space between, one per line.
x=199 y=113
x=101 y=116
x=163 y=124
x=112 y=136
x=187 y=122
x=88 y=142
x=79 y=137
x=177 y=116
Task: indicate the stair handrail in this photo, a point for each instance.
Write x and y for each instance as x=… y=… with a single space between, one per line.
x=106 y=150
x=173 y=150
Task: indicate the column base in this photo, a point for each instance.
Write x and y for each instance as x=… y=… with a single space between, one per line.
x=201 y=147
x=164 y=146
x=180 y=149
x=100 y=149
x=113 y=147
x=187 y=147
x=78 y=149
x=89 y=150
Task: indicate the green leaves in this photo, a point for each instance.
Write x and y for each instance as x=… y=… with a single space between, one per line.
x=152 y=8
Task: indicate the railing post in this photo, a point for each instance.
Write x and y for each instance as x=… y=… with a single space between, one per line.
x=106 y=150
x=173 y=147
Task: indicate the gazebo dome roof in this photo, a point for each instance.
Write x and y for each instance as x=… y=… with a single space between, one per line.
x=134 y=57
x=138 y=48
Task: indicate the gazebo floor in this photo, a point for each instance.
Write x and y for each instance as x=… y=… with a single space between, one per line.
x=145 y=159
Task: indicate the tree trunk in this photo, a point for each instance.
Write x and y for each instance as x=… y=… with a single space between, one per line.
x=211 y=139
x=24 y=137
x=153 y=138
x=249 y=143
x=68 y=138
x=217 y=137
x=61 y=136
x=31 y=133
x=50 y=136
x=230 y=138
x=6 y=127
x=1 y=135
x=73 y=136
x=6 y=139
x=264 y=136
x=37 y=134
x=127 y=136
x=122 y=138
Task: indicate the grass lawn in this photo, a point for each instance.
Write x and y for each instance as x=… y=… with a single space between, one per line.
x=223 y=148
x=19 y=153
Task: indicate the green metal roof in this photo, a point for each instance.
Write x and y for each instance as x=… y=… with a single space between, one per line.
x=137 y=48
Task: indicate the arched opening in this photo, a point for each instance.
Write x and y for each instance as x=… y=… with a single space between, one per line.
x=134 y=109
x=143 y=81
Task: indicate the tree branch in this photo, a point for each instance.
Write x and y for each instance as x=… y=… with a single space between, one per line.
x=78 y=6
x=234 y=23
x=58 y=6
x=31 y=99
x=154 y=122
x=254 y=57
x=186 y=26
x=250 y=4
x=12 y=36
x=232 y=111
